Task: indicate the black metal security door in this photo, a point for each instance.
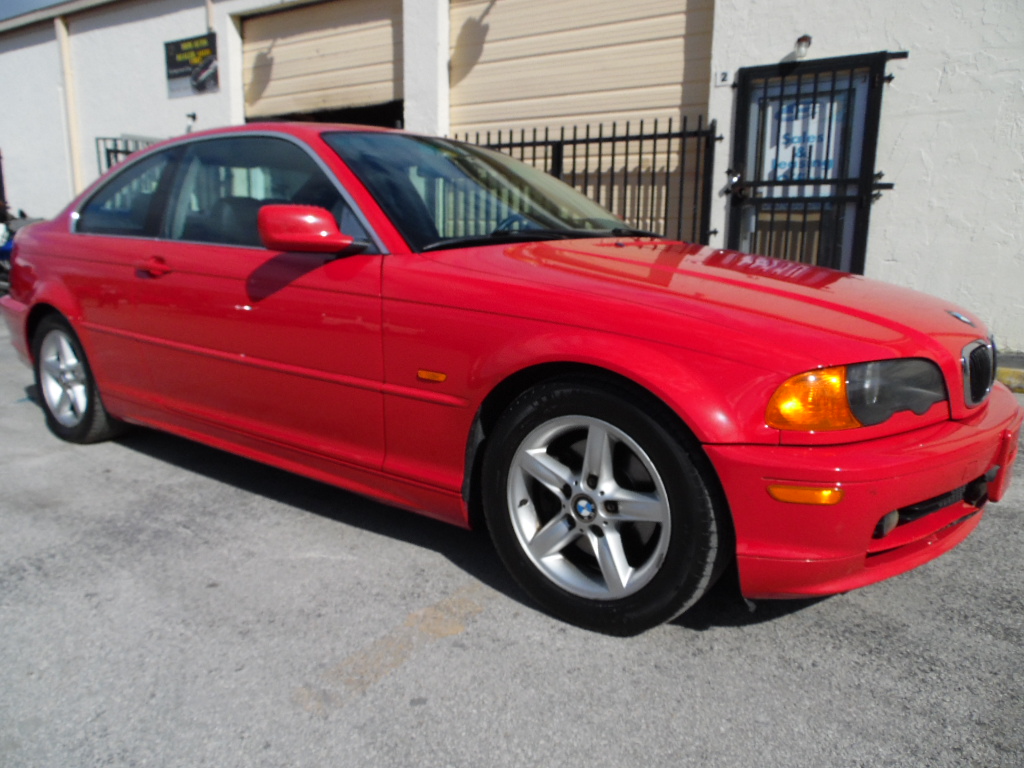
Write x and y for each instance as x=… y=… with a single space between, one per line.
x=803 y=168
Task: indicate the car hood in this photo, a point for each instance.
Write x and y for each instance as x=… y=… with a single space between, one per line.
x=765 y=311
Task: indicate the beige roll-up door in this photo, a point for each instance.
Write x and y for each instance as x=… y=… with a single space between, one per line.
x=536 y=63
x=342 y=53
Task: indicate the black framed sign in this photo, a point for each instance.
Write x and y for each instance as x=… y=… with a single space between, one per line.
x=192 y=65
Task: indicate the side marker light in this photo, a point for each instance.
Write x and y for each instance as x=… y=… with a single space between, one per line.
x=435 y=376
x=798 y=494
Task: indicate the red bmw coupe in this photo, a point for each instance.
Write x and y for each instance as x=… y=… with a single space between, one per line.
x=442 y=328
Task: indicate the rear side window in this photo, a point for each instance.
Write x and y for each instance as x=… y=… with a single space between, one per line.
x=128 y=204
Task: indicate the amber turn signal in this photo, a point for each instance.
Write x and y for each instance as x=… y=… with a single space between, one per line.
x=435 y=376
x=798 y=494
x=811 y=402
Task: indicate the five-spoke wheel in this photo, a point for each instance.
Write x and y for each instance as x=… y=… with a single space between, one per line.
x=70 y=399
x=588 y=507
x=598 y=508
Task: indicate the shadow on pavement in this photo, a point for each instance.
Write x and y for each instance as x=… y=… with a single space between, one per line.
x=724 y=606
x=471 y=551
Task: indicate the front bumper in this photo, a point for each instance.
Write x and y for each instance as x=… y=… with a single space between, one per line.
x=796 y=550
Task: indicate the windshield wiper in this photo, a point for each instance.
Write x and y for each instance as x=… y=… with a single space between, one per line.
x=533 y=235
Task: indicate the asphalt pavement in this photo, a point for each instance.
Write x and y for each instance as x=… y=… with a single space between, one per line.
x=166 y=604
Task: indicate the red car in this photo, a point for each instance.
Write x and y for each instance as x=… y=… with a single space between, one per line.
x=442 y=328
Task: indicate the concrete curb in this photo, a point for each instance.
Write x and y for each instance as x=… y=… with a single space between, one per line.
x=1012 y=377
x=1011 y=370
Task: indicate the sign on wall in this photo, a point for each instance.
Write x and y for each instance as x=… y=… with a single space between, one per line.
x=811 y=130
x=805 y=136
x=192 y=66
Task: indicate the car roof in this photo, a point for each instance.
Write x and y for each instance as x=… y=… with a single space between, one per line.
x=303 y=130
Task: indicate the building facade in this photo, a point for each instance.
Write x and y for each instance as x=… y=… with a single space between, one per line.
x=889 y=142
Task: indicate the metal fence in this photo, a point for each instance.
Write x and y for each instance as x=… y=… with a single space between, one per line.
x=655 y=177
x=111 y=151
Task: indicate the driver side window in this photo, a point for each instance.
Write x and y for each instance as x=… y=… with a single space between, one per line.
x=224 y=182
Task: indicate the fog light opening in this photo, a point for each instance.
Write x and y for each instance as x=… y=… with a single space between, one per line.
x=887 y=524
x=976 y=493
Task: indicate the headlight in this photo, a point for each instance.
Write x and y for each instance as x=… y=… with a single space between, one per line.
x=879 y=390
x=850 y=396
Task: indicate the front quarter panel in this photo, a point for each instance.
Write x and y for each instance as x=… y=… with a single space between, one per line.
x=441 y=321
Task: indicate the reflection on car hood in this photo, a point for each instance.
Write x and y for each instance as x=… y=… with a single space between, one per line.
x=753 y=301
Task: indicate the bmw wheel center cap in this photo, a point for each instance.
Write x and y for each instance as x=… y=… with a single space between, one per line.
x=584 y=508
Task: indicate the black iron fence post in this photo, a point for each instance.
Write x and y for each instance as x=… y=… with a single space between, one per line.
x=557 y=158
x=710 y=139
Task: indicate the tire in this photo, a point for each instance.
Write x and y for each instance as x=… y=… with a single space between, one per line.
x=67 y=389
x=598 y=509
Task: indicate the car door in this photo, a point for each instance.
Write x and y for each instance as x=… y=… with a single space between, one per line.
x=277 y=350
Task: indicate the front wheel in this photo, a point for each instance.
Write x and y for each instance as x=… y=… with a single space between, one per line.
x=598 y=508
x=70 y=399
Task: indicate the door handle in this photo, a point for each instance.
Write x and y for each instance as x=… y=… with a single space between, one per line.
x=154 y=266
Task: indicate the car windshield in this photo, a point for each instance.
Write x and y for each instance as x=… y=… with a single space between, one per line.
x=443 y=194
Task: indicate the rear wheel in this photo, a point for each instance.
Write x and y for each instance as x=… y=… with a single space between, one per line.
x=70 y=399
x=598 y=508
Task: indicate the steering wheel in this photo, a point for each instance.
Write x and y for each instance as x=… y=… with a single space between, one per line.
x=508 y=224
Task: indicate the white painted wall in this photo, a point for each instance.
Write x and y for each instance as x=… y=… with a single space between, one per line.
x=117 y=54
x=121 y=75
x=33 y=135
x=425 y=66
x=951 y=137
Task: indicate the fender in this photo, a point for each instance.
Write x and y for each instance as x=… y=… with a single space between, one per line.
x=687 y=381
x=453 y=415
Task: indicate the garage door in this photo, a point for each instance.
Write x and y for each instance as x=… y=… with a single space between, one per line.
x=328 y=56
x=535 y=63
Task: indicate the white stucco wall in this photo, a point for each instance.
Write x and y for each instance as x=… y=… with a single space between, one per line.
x=951 y=136
x=121 y=75
x=120 y=87
x=425 y=66
x=117 y=56
x=33 y=136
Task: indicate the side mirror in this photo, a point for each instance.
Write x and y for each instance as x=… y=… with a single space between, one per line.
x=303 y=228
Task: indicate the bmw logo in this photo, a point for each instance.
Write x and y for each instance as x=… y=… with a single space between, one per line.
x=584 y=508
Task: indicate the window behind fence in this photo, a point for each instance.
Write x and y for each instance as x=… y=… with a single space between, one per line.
x=654 y=176
x=110 y=151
